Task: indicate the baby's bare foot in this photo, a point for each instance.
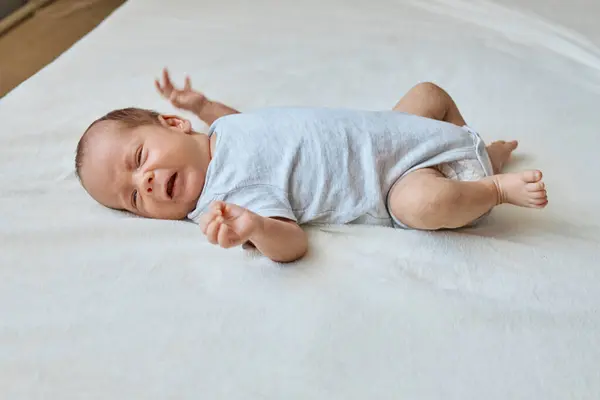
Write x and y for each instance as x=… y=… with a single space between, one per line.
x=524 y=189
x=499 y=153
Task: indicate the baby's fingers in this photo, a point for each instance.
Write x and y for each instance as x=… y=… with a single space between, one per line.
x=212 y=231
x=167 y=79
x=205 y=220
x=217 y=207
x=160 y=89
x=224 y=237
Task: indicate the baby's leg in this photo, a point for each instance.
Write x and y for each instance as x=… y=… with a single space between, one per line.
x=425 y=199
x=430 y=101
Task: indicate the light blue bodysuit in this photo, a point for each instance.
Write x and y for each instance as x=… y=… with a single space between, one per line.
x=326 y=166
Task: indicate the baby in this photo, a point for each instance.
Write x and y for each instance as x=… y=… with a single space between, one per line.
x=256 y=177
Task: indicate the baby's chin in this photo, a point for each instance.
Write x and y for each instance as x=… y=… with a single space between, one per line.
x=193 y=187
x=191 y=207
x=186 y=208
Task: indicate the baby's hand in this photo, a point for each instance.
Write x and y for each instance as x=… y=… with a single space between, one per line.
x=186 y=98
x=229 y=225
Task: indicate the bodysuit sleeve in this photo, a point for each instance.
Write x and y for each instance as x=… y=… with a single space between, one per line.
x=264 y=200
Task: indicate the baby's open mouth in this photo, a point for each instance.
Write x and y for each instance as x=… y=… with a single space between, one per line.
x=170 y=185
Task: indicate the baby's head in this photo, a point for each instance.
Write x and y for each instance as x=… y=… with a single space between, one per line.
x=140 y=161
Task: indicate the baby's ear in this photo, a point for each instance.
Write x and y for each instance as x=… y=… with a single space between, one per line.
x=174 y=121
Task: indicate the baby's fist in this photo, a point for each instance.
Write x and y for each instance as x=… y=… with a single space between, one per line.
x=229 y=225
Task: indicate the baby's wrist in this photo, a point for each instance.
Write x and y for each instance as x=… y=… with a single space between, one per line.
x=200 y=105
x=258 y=222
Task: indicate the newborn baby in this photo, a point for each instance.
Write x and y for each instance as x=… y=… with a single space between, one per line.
x=256 y=177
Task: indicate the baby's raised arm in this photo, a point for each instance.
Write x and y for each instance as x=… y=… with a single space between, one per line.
x=191 y=100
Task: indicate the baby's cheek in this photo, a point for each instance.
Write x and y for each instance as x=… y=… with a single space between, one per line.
x=155 y=210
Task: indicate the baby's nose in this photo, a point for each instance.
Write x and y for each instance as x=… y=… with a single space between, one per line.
x=148 y=182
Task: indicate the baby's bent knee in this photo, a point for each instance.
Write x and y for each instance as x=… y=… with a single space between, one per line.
x=428 y=88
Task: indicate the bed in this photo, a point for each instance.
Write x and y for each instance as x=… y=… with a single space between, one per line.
x=99 y=304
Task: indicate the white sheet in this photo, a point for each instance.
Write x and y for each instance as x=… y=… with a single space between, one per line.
x=95 y=304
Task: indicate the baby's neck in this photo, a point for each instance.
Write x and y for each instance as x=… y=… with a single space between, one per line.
x=205 y=145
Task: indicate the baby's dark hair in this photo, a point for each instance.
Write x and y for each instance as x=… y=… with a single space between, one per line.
x=128 y=117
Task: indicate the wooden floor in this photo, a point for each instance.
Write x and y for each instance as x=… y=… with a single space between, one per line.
x=37 y=41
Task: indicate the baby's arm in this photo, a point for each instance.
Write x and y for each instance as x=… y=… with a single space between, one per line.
x=191 y=100
x=209 y=111
x=229 y=225
x=280 y=240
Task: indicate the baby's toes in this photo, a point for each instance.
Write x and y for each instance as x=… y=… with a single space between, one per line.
x=535 y=186
x=538 y=199
x=533 y=176
x=538 y=203
x=540 y=194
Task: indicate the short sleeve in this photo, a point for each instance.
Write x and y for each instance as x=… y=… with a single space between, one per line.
x=264 y=200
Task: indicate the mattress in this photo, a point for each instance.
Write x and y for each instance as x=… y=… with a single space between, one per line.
x=98 y=304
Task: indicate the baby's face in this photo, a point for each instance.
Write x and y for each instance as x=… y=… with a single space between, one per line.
x=155 y=171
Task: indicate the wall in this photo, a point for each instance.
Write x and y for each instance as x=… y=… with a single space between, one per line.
x=50 y=31
x=8 y=6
